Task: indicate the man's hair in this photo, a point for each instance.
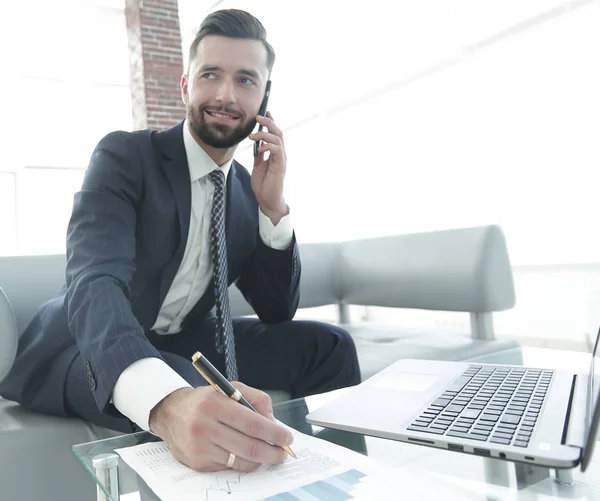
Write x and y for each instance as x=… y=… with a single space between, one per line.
x=233 y=23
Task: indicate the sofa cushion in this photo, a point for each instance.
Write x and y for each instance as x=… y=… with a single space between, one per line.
x=35 y=450
x=380 y=345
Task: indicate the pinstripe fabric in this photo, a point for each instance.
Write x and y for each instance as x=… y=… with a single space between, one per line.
x=225 y=341
x=109 y=353
x=80 y=400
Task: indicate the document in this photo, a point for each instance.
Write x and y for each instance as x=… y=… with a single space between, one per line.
x=317 y=461
x=322 y=471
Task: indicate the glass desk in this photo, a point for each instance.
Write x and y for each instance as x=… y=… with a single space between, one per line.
x=483 y=478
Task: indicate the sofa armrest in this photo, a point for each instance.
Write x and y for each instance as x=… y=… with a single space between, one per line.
x=29 y=281
x=8 y=336
x=466 y=269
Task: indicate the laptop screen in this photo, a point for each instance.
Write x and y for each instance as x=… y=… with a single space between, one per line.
x=593 y=380
x=593 y=405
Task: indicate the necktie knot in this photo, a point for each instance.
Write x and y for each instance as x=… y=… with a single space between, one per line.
x=218 y=178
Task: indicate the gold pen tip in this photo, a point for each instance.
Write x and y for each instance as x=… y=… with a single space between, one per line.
x=290 y=452
x=196 y=356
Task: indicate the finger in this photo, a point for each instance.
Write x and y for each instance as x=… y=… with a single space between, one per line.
x=265 y=136
x=215 y=459
x=258 y=159
x=207 y=455
x=256 y=425
x=247 y=449
x=260 y=400
x=239 y=464
x=206 y=459
x=274 y=149
x=270 y=124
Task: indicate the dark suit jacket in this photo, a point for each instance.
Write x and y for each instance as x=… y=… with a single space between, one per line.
x=125 y=242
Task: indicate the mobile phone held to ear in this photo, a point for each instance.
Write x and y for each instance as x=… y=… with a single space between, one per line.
x=263 y=112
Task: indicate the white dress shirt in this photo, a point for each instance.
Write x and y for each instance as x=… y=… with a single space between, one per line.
x=147 y=381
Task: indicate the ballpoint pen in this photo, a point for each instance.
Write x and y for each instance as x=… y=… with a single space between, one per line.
x=220 y=383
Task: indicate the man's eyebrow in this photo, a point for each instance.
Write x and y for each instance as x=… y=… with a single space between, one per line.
x=209 y=67
x=250 y=73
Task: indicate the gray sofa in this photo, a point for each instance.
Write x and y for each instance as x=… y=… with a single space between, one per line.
x=465 y=270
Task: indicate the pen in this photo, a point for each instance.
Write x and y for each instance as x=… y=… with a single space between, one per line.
x=220 y=383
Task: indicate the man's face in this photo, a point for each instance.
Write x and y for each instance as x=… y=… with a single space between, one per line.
x=224 y=88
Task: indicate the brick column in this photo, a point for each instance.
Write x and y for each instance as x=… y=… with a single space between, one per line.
x=155 y=63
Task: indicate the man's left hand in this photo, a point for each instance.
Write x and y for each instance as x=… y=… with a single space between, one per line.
x=268 y=174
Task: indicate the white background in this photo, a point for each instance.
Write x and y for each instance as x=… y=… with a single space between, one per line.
x=399 y=117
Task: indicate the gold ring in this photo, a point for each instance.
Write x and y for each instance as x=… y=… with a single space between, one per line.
x=231 y=460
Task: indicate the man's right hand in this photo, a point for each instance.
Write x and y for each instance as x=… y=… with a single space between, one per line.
x=202 y=427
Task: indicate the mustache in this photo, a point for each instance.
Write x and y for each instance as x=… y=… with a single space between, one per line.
x=225 y=109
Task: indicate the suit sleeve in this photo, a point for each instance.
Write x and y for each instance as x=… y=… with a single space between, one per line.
x=101 y=263
x=271 y=282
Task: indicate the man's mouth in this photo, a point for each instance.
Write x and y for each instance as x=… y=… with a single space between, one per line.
x=222 y=115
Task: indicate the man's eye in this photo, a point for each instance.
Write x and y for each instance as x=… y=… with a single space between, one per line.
x=208 y=76
x=247 y=81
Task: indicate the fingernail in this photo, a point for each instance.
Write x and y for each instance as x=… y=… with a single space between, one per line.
x=272 y=416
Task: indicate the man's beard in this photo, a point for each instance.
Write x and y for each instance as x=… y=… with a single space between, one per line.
x=219 y=135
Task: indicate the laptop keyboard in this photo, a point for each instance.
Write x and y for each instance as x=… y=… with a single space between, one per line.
x=488 y=404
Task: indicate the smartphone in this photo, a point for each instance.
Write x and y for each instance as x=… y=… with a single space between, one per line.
x=262 y=112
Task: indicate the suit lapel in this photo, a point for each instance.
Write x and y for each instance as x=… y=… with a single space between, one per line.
x=175 y=167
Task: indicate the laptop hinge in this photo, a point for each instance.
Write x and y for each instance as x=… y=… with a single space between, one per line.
x=574 y=429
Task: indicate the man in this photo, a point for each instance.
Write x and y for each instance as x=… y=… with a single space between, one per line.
x=164 y=222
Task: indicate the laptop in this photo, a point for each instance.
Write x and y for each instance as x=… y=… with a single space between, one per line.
x=538 y=416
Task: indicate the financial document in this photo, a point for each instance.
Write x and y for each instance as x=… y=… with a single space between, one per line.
x=321 y=471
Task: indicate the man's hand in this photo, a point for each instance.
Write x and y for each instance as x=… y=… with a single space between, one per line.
x=201 y=427
x=268 y=175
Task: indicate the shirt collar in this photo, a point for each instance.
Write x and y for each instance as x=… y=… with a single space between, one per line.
x=199 y=163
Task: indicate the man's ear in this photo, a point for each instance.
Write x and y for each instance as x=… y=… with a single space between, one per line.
x=184 y=89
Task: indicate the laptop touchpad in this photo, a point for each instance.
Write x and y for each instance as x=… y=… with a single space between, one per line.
x=406 y=381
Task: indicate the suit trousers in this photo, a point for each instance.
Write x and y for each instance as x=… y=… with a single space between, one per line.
x=299 y=357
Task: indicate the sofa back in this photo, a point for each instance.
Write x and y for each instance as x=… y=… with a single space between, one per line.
x=465 y=269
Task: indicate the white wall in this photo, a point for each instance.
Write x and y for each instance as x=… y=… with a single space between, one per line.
x=72 y=77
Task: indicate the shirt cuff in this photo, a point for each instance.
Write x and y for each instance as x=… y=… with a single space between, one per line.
x=278 y=237
x=134 y=396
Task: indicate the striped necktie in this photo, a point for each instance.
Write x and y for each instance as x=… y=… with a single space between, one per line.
x=224 y=339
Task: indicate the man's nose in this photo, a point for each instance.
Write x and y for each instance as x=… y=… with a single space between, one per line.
x=225 y=92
